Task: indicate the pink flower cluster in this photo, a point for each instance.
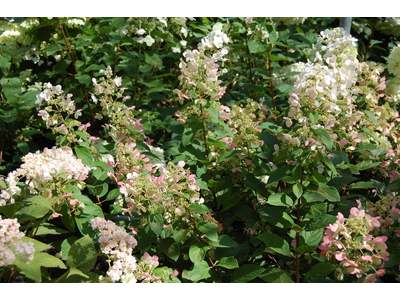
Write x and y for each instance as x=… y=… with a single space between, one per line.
x=146 y=267
x=142 y=189
x=387 y=208
x=10 y=243
x=117 y=244
x=350 y=242
x=199 y=78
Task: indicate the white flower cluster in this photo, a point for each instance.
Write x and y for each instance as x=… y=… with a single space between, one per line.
x=393 y=84
x=40 y=168
x=48 y=92
x=216 y=40
x=74 y=22
x=13 y=34
x=391 y=26
x=394 y=61
x=325 y=87
x=10 y=239
x=118 y=244
x=289 y=21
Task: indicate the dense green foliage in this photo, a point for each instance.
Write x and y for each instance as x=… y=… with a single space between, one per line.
x=269 y=154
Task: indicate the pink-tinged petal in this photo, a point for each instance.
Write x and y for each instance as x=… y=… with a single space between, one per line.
x=354 y=211
x=65 y=195
x=380 y=272
x=340 y=256
x=371 y=278
x=73 y=202
x=380 y=239
x=367 y=258
x=175 y=273
x=134 y=231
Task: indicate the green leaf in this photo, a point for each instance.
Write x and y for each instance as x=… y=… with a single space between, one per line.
x=84 y=155
x=39 y=200
x=66 y=246
x=83 y=78
x=82 y=254
x=4 y=65
x=27 y=101
x=47 y=228
x=313 y=116
x=297 y=190
x=255 y=184
x=362 y=185
x=271 y=127
x=98 y=190
x=75 y=271
x=276 y=275
x=153 y=60
x=197 y=252
x=156 y=223
x=224 y=241
x=275 y=243
x=280 y=199
x=256 y=47
x=319 y=271
x=285 y=89
x=246 y=213
x=199 y=271
x=279 y=174
x=8 y=113
x=321 y=222
x=199 y=208
x=32 y=211
x=246 y=273
x=228 y=263
x=11 y=89
x=170 y=248
x=91 y=211
x=325 y=138
x=53 y=48
x=305 y=249
x=276 y=216
x=370 y=116
x=32 y=269
x=226 y=155
x=113 y=194
x=313 y=237
x=394 y=185
x=180 y=232
x=209 y=230
x=39 y=246
x=329 y=192
x=317 y=210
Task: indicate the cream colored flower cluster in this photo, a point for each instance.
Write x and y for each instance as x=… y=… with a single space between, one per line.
x=10 y=243
x=38 y=169
x=393 y=84
x=326 y=89
x=118 y=245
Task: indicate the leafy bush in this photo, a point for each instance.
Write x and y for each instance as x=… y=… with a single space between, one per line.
x=199 y=150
